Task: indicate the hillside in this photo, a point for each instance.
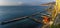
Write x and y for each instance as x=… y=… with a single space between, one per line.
x=47 y=4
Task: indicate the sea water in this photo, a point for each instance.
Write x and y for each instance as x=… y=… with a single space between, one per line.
x=12 y=12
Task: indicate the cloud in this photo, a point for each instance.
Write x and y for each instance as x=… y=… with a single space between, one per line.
x=9 y=3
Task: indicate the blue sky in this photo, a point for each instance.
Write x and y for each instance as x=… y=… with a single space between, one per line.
x=18 y=2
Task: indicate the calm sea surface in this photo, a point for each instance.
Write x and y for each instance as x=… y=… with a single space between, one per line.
x=12 y=12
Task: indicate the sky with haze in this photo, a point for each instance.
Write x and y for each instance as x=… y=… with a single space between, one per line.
x=20 y=2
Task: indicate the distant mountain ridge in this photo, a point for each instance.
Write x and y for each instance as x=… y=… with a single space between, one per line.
x=47 y=4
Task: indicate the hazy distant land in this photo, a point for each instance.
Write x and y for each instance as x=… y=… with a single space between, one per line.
x=47 y=4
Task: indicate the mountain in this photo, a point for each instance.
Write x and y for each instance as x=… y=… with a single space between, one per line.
x=47 y=4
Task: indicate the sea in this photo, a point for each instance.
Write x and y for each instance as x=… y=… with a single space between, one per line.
x=13 y=12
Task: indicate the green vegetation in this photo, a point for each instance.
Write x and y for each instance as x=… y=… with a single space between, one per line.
x=55 y=26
